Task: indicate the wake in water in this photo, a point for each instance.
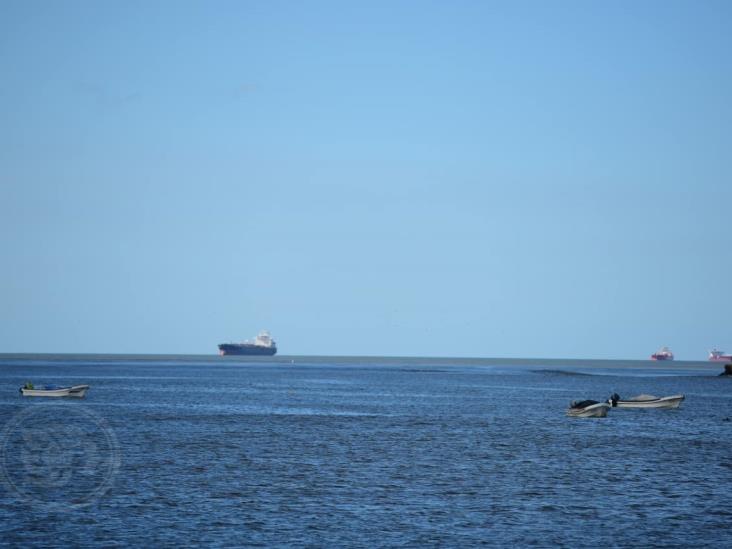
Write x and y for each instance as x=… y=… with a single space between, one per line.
x=559 y=373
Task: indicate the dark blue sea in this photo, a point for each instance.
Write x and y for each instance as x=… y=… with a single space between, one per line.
x=324 y=452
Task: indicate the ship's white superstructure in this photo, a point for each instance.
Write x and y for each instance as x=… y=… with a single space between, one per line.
x=263 y=339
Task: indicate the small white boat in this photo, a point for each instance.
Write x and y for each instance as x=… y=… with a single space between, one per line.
x=77 y=391
x=646 y=401
x=587 y=408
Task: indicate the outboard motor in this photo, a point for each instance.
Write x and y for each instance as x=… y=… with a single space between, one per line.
x=613 y=401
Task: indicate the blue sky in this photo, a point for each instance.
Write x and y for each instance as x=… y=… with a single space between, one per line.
x=542 y=179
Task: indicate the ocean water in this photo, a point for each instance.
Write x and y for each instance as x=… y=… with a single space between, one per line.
x=361 y=452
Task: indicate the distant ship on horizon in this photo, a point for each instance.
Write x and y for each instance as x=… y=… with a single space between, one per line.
x=664 y=353
x=716 y=355
x=263 y=345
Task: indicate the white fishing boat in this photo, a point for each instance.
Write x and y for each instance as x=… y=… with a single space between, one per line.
x=587 y=408
x=646 y=401
x=77 y=391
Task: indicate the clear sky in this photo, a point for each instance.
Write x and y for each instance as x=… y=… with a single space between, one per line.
x=515 y=179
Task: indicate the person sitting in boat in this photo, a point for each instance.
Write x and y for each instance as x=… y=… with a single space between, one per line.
x=582 y=403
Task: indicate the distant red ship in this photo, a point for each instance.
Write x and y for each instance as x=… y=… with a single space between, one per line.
x=719 y=356
x=663 y=354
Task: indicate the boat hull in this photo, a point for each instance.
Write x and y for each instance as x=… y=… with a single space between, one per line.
x=77 y=391
x=596 y=410
x=244 y=349
x=668 y=402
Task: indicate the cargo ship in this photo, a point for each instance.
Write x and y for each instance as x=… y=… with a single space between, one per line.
x=719 y=356
x=263 y=345
x=662 y=354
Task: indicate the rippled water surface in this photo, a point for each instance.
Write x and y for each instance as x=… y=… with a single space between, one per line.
x=329 y=452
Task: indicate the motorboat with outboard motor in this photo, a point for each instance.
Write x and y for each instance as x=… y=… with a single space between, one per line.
x=587 y=408
x=646 y=401
x=78 y=391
